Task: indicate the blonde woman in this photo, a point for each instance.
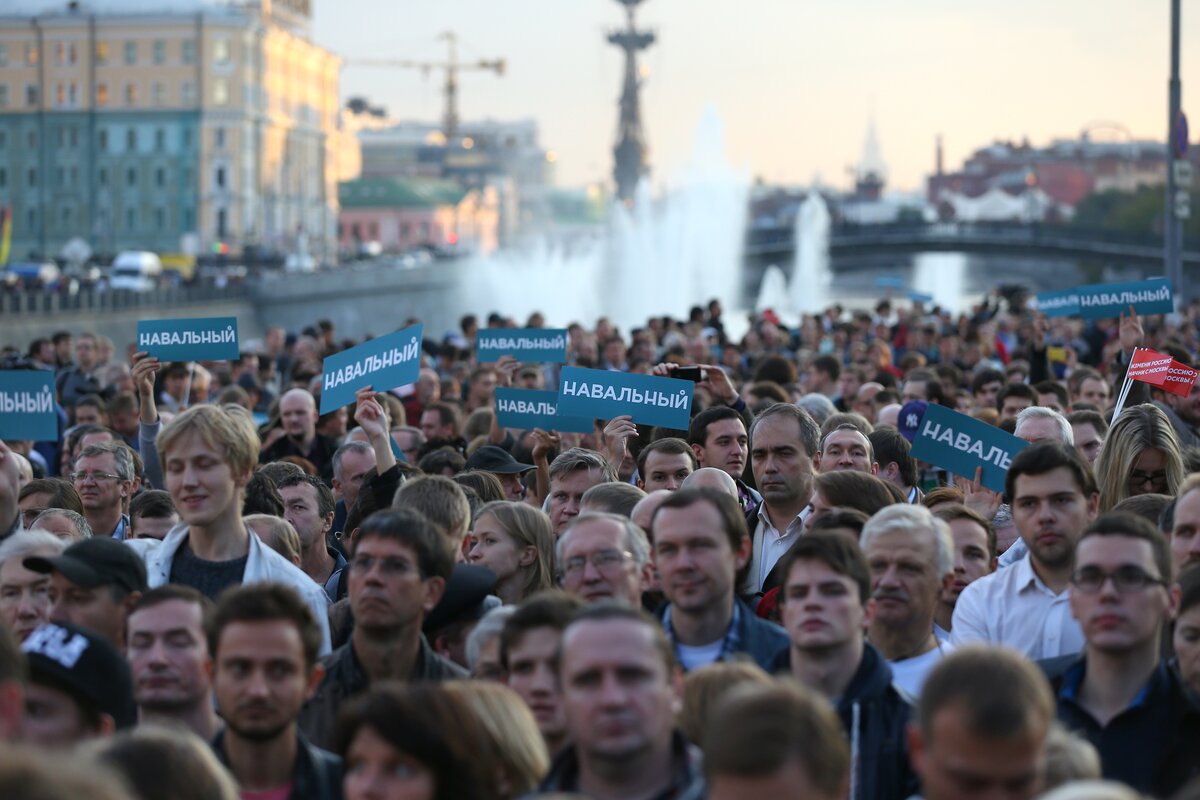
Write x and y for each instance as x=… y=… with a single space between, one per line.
x=516 y=542
x=1140 y=455
x=520 y=751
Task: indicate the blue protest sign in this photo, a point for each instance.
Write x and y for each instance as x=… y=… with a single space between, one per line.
x=529 y=345
x=384 y=363
x=201 y=339
x=27 y=410
x=649 y=399
x=1109 y=300
x=1058 y=304
x=526 y=409
x=961 y=444
x=920 y=297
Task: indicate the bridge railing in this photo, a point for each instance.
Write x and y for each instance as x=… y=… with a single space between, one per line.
x=92 y=301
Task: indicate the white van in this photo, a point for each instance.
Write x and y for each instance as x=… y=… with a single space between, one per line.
x=136 y=271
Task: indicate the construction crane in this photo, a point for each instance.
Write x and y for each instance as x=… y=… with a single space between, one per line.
x=451 y=66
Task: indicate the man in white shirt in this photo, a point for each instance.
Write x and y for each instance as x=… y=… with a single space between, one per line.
x=910 y=555
x=1025 y=606
x=783 y=441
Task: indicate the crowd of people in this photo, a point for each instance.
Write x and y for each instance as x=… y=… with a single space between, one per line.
x=208 y=589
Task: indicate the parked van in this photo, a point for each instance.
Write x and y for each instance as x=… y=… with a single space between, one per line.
x=136 y=271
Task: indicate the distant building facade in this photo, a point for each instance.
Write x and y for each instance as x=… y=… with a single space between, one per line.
x=191 y=127
x=401 y=214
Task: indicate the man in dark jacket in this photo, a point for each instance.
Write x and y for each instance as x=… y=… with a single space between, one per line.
x=264 y=643
x=398 y=572
x=824 y=602
x=701 y=546
x=1120 y=695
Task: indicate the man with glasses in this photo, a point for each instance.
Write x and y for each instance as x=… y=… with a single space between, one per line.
x=1120 y=695
x=603 y=557
x=398 y=573
x=103 y=477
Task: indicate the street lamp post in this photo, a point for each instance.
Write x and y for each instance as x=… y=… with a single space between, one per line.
x=1178 y=170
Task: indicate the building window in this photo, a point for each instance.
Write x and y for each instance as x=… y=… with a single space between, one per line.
x=3 y=178
x=102 y=139
x=31 y=95
x=187 y=93
x=72 y=94
x=31 y=139
x=60 y=94
x=219 y=138
x=160 y=218
x=3 y=95
x=189 y=51
x=160 y=177
x=131 y=140
x=31 y=55
x=131 y=94
x=159 y=94
x=131 y=177
x=220 y=177
x=102 y=94
x=220 y=95
x=221 y=51
x=3 y=55
x=65 y=215
x=31 y=177
x=102 y=177
x=74 y=136
x=72 y=53
x=3 y=139
x=101 y=52
x=60 y=53
x=188 y=219
x=31 y=218
x=73 y=176
x=160 y=51
x=130 y=219
x=131 y=52
x=221 y=215
x=160 y=139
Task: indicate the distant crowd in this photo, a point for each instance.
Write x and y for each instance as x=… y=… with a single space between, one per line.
x=209 y=589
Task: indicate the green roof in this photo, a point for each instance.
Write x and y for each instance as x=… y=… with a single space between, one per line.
x=399 y=193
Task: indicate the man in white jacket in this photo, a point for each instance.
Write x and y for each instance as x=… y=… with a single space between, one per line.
x=208 y=455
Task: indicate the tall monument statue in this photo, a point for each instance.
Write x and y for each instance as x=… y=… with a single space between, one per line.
x=630 y=151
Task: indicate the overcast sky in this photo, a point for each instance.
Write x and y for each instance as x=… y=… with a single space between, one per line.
x=795 y=81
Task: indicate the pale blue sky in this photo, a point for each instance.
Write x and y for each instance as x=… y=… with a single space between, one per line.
x=795 y=81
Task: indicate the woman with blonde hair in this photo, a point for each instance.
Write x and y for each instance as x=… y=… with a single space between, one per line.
x=1140 y=455
x=520 y=750
x=515 y=541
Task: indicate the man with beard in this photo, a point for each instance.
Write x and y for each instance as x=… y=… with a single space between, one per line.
x=1025 y=606
x=168 y=654
x=264 y=643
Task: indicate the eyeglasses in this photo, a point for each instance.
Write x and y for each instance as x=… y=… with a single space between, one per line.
x=1127 y=579
x=94 y=477
x=602 y=560
x=392 y=567
x=1156 y=480
x=29 y=515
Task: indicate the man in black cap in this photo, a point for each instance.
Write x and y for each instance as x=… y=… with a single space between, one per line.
x=467 y=599
x=79 y=687
x=500 y=463
x=94 y=584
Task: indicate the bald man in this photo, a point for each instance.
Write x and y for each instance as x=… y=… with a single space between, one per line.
x=709 y=478
x=298 y=418
x=643 y=512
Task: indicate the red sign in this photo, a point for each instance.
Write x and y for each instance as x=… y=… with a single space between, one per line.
x=1162 y=371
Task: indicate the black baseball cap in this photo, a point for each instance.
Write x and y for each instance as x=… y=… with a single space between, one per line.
x=84 y=665
x=466 y=598
x=490 y=458
x=96 y=561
